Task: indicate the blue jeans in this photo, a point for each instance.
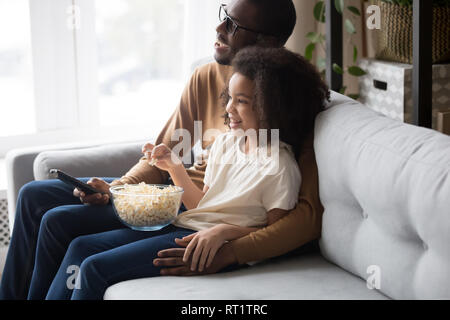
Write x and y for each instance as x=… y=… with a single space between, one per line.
x=48 y=218
x=95 y=262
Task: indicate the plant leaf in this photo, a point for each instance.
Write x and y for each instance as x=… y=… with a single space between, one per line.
x=355 y=53
x=321 y=63
x=309 y=50
x=339 y=4
x=349 y=26
x=356 y=71
x=314 y=37
x=342 y=90
x=337 y=69
x=319 y=11
x=354 y=10
x=353 y=96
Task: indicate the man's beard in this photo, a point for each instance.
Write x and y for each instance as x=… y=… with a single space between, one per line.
x=227 y=59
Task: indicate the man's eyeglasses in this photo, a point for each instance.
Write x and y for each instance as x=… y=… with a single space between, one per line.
x=231 y=26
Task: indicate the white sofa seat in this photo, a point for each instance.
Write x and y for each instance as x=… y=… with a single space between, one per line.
x=307 y=276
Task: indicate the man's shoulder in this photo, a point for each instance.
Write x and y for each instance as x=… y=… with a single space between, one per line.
x=212 y=67
x=213 y=70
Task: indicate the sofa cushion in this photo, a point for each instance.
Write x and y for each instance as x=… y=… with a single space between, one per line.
x=385 y=187
x=106 y=160
x=308 y=276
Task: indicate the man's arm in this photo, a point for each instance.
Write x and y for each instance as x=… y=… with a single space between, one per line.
x=183 y=117
x=142 y=171
x=300 y=226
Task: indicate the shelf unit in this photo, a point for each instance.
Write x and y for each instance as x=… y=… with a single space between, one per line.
x=422 y=60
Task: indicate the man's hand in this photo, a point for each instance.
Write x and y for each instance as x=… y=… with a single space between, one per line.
x=172 y=260
x=203 y=246
x=96 y=198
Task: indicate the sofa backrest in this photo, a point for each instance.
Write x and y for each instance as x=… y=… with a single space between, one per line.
x=385 y=187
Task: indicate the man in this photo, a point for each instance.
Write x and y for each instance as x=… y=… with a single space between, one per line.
x=49 y=215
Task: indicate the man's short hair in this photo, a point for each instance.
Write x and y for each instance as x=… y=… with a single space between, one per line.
x=278 y=17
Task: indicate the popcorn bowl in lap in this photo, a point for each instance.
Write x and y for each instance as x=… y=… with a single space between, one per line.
x=146 y=207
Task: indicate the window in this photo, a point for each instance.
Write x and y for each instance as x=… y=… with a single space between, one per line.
x=16 y=76
x=80 y=70
x=140 y=72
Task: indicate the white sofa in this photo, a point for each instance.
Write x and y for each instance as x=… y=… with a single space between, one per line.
x=385 y=187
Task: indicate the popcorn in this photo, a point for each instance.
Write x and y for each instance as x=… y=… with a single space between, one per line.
x=153 y=161
x=144 y=205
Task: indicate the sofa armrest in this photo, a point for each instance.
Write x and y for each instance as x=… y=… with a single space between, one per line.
x=87 y=159
x=19 y=171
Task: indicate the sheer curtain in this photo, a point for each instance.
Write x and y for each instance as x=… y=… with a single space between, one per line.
x=201 y=20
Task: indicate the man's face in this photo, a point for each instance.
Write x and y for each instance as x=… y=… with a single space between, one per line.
x=228 y=44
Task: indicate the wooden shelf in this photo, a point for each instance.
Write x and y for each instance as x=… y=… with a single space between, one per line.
x=422 y=60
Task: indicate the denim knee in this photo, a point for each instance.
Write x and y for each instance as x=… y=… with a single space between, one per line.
x=90 y=276
x=30 y=189
x=88 y=266
x=27 y=200
x=79 y=249
x=50 y=219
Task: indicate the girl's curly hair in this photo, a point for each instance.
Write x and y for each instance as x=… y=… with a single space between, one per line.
x=289 y=91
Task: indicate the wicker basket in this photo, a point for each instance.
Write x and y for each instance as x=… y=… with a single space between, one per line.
x=395 y=41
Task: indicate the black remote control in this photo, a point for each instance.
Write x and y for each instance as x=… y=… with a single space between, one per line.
x=74 y=182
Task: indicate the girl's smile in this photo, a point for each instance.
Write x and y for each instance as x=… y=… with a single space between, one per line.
x=234 y=124
x=241 y=113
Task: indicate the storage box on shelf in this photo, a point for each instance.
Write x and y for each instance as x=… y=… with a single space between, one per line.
x=387 y=88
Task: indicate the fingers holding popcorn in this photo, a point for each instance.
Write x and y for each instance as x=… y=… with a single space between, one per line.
x=161 y=156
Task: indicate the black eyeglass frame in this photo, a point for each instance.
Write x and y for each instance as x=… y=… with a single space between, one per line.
x=236 y=26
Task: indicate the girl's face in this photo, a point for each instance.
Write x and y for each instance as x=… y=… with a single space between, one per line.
x=240 y=104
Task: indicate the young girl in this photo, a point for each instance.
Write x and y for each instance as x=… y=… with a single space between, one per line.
x=248 y=183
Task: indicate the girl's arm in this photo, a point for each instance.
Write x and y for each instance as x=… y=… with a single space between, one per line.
x=192 y=194
x=203 y=245
x=230 y=232
x=163 y=158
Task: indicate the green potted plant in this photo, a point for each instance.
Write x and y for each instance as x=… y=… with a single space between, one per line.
x=396 y=34
x=318 y=39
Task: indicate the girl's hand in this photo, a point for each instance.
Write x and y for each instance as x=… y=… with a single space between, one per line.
x=203 y=245
x=165 y=158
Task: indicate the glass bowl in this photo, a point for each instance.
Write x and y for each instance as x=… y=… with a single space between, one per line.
x=146 y=207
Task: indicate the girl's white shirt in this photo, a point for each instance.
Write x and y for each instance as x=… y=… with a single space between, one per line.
x=244 y=187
